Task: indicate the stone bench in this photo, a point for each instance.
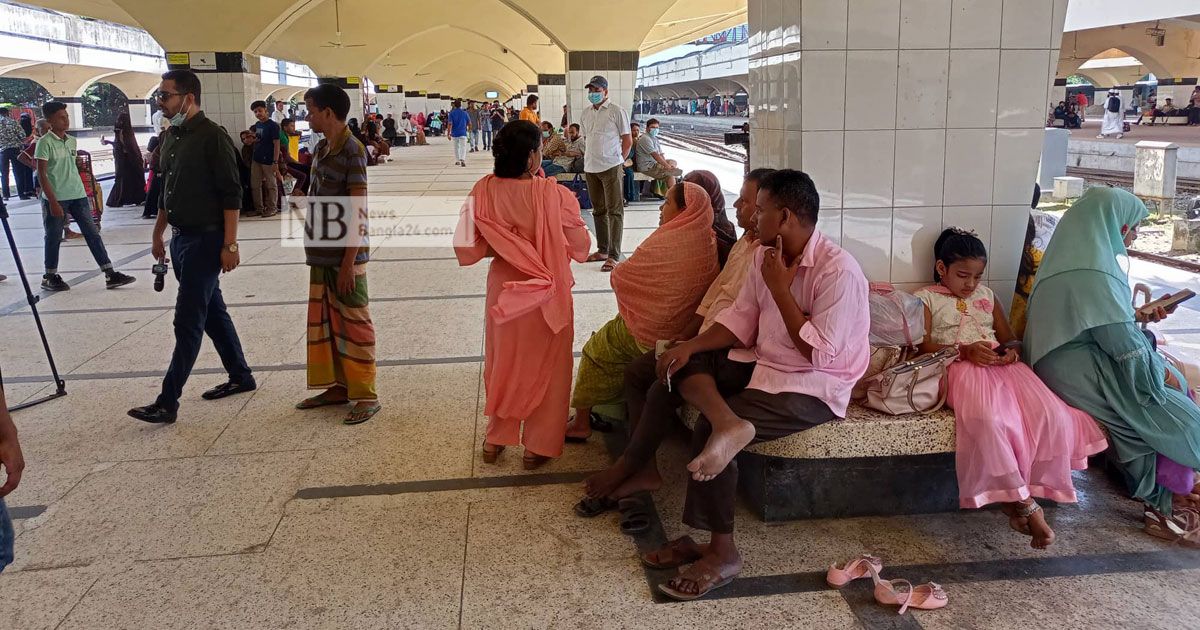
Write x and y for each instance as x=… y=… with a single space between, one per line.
x=869 y=464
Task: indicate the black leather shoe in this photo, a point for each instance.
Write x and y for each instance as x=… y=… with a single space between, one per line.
x=153 y=414
x=228 y=389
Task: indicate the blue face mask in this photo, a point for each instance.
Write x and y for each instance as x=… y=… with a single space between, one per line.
x=653 y=132
x=545 y=134
x=178 y=118
x=596 y=97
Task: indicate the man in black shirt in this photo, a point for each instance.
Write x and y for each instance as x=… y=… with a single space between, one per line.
x=201 y=199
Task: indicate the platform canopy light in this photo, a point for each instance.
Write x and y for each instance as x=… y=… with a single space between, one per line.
x=492 y=94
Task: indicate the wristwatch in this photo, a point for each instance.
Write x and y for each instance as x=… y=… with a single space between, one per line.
x=232 y=248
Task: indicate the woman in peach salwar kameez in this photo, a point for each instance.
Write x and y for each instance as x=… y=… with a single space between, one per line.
x=531 y=228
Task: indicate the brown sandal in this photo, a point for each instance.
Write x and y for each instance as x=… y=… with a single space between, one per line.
x=533 y=461
x=1182 y=526
x=705 y=579
x=489 y=457
x=609 y=265
x=678 y=552
x=596 y=257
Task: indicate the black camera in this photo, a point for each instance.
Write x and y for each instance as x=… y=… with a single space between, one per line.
x=160 y=274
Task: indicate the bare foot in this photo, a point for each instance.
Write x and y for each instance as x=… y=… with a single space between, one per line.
x=1040 y=530
x=721 y=448
x=648 y=479
x=1020 y=524
x=605 y=482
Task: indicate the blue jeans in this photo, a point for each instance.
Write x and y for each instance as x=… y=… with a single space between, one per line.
x=6 y=538
x=80 y=210
x=487 y=139
x=632 y=190
x=474 y=139
x=551 y=169
x=200 y=310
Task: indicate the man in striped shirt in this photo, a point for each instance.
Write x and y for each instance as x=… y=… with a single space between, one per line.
x=341 y=337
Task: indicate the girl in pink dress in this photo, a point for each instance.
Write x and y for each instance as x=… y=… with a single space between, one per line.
x=1016 y=440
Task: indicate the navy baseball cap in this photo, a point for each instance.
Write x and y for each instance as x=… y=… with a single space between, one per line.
x=598 y=81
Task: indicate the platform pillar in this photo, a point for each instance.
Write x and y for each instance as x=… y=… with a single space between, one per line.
x=909 y=116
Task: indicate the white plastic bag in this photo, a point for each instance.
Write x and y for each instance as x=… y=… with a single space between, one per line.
x=897 y=318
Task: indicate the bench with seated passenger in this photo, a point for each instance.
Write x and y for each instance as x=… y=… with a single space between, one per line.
x=869 y=464
x=567 y=177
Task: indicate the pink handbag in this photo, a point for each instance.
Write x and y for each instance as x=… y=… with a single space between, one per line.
x=916 y=386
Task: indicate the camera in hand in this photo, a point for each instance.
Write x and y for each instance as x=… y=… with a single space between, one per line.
x=160 y=274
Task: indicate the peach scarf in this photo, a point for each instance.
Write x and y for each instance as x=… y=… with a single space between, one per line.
x=662 y=283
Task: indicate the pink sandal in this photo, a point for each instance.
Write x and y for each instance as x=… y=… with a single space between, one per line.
x=850 y=570
x=928 y=596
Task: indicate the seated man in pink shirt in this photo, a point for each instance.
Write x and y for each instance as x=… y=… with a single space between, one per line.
x=781 y=359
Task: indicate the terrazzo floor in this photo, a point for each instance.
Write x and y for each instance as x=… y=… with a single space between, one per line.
x=250 y=514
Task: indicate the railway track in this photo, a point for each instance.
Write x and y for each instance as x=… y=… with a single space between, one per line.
x=1183 y=185
x=708 y=144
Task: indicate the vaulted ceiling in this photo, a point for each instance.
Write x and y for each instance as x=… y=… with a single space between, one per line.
x=447 y=46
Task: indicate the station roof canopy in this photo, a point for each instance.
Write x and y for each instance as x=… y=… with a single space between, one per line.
x=457 y=44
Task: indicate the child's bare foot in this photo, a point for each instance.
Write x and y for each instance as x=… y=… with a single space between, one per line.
x=1039 y=529
x=721 y=448
x=1020 y=524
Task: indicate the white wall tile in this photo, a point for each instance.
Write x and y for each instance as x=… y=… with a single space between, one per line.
x=823 y=24
x=974 y=76
x=977 y=219
x=1004 y=290
x=976 y=23
x=914 y=231
x=867 y=169
x=1017 y=154
x=772 y=15
x=822 y=160
x=1023 y=88
x=793 y=155
x=1008 y=239
x=755 y=32
x=870 y=89
x=873 y=24
x=923 y=77
x=1027 y=24
x=829 y=223
x=867 y=235
x=789 y=21
x=969 y=160
x=925 y=24
x=920 y=162
x=823 y=91
x=791 y=93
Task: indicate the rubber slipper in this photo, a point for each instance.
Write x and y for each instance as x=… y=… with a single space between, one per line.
x=590 y=507
x=319 y=401
x=361 y=415
x=635 y=516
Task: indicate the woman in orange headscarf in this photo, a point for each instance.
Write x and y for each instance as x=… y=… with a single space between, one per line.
x=658 y=290
x=531 y=228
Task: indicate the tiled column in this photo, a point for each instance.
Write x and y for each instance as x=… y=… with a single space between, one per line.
x=910 y=116
x=390 y=99
x=139 y=112
x=353 y=87
x=552 y=95
x=618 y=66
x=229 y=82
x=1058 y=92
x=433 y=102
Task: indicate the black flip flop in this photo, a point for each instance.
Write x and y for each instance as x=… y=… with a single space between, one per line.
x=589 y=507
x=635 y=518
x=600 y=424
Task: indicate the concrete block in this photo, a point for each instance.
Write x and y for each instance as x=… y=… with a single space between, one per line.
x=1054 y=157
x=1068 y=188
x=1187 y=236
x=1154 y=169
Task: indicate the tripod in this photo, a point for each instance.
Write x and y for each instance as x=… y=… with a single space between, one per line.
x=61 y=389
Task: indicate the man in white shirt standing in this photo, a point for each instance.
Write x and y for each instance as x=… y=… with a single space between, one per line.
x=279 y=115
x=605 y=128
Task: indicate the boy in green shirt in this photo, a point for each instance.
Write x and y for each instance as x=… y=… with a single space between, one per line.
x=63 y=194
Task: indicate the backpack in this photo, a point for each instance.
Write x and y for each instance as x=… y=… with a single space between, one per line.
x=1114 y=105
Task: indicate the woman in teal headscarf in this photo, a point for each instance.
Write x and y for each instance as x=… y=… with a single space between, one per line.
x=1082 y=339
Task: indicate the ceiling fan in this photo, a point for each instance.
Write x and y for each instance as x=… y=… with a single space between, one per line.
x=337 y=17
